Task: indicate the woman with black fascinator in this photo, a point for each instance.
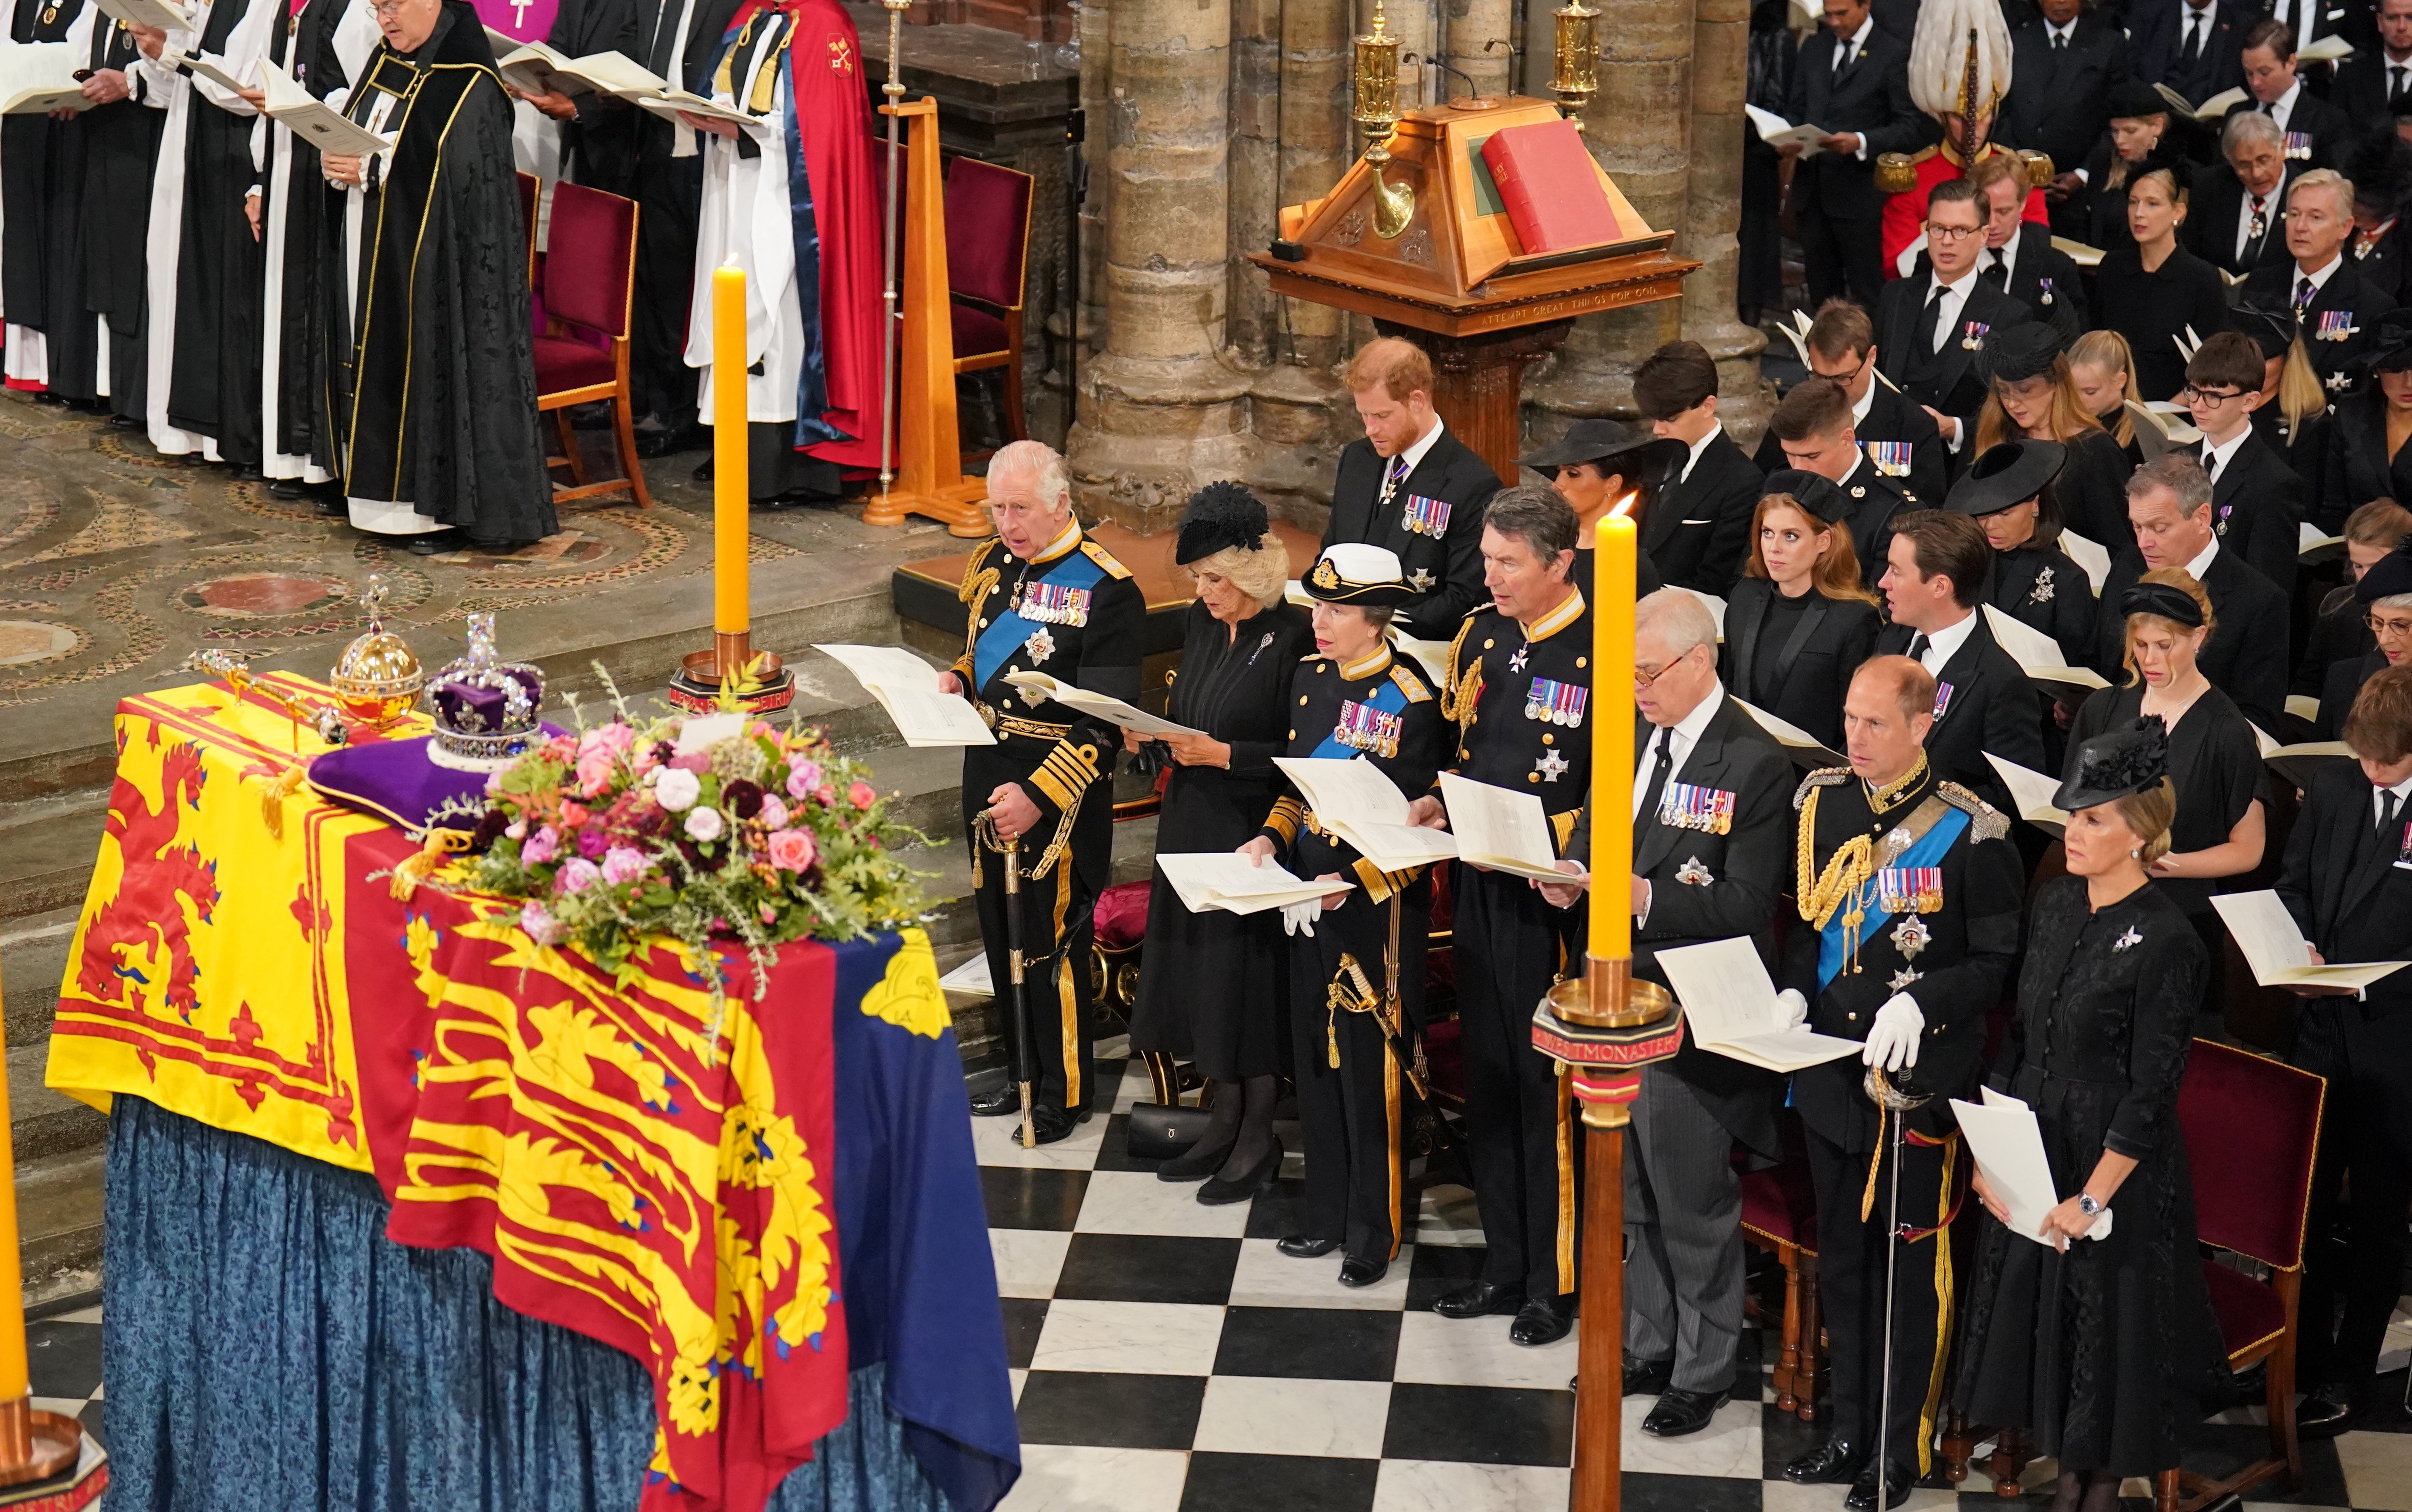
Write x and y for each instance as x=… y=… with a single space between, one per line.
x=1211 y=985
x=2095 y=1335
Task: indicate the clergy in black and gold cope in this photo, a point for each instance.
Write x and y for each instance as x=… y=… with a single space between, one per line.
x=1909 y=897
x=1519 y=689
x=1357 y=959
x=1041 y=597
x=1211 y=985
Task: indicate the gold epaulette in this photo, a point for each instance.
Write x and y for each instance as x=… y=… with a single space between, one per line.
x=1897 y=172
x=1408 y=684
x=1985 y=821
x=1103 y=558
x=1822 y=777
x=2038 y=165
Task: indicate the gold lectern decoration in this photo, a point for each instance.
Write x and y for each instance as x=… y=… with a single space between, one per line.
x=1375 y=83
x=1577 y=79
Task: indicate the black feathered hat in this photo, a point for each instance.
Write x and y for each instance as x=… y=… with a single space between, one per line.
x=1595 y=440
x=2013 y=354
x=1220 y=516
x=2388 y=345
x=2135 y=100
x=2115 y=763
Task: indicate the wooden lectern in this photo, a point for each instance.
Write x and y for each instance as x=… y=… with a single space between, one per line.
x=929 y=458
x=1423 y=245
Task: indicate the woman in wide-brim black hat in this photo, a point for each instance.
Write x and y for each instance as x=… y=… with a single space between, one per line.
x=1213 y=985
x=2009 y=491
x=2032 y=395
x=2087 y=1323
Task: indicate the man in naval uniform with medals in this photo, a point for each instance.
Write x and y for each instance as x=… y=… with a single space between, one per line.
x=1359 y=957
x=1911 y=896
x=1041 y=597
x=1519 y=688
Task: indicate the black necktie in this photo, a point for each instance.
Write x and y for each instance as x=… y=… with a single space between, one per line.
x=2387 y=820
x=1917 y=643
x=2305 y=292
x=2060 y=41
x=1921 y=335
x=1997 y=275
x=2394 y=88
x=1843 y=59
x=1662 y=764
x=657 y=56
x=2194 y=36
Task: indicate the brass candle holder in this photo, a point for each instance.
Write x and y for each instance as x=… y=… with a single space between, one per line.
x=1375 y=80
x=1576 y=79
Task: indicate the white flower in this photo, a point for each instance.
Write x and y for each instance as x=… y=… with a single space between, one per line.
x=703 y=826
x=677 y=788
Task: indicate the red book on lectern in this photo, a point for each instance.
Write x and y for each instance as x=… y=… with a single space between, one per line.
x=1552 y=192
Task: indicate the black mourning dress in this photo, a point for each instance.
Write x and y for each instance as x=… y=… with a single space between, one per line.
x=2152 y=308
x=1211 y=985
x=2091 y=490
x=2216 y=767
x=1794 y=657
x=2100 y=1353
x=2037 y=585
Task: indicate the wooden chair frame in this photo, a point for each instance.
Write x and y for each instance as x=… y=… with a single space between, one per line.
x=624 y=430
x=1016 y=423
x=1796 y=1367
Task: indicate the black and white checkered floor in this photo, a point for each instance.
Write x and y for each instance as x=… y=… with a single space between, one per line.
x=1165 y=1357
x=63 y=1360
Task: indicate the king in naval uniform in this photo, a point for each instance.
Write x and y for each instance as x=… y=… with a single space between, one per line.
x=1359 y=957
x=1911 y=895
x=1042 y=597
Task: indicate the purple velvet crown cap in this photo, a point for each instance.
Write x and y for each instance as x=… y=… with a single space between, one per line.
x=504 y=701
x=397 y=781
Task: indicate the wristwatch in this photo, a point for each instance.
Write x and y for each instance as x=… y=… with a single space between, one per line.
x=2086 y=1205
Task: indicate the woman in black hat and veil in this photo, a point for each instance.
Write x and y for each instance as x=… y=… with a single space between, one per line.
x=1211 y=985
x=1595 y=466
x=2010 y=494
x=2033 y=396
x=2094 y=1335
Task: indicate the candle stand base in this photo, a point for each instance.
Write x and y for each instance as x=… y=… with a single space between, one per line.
x=695 y=685
x=40 y=1455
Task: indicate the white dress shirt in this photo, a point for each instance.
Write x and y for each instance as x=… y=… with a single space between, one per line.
x=1851 y=48
x=2215 y=458
x=2056 y=36
x=1414 y=455
x=2403 y=792
x=2319 y=278
x=2283 y=109
x=2202 y=565
x=1944 y=644
x=1698 y=447
x=2268 y=205
x=1679 y=741
x=1947 y=314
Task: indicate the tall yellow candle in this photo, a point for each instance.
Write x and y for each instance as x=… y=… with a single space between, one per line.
x=14 y=1379
x=729 y=501
x=1617 y=548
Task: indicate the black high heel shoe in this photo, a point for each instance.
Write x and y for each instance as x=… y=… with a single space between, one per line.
x=1256 y=1182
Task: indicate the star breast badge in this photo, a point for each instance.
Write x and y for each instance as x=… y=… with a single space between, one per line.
x=1911 y=935
x=1550 y=766
x=1902 y=977
x=1693 y=872
x=1041 y=646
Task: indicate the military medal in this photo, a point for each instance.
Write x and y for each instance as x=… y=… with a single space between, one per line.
x=1902 y=979
x=2336 y=324
x=2045 y=285
x=1682 y=806
x=1424 y=517
x=1693 y=874
x=1942 y=700
x=2299 y=145
x=1420 y=581
x=1910 y=889
x=1559 y=703
x=1890 y=459
x=1364 y=728
x=2042 y=592
x=1550 y=766
x=1911 y=935
x=1972 y=335
x=1050 y=604
x=1516 y=661
x=2131 y=937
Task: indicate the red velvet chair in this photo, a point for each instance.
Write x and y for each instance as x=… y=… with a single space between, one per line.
x=590 y=283
x=2251 y=1125
x=988 y=257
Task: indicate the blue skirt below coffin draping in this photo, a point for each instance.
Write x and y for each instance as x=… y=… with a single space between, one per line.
x=267 y=1349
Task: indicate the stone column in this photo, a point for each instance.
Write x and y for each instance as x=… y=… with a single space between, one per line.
x=1161 y=410
x=1720 y=45
x=1255 y=172
x=1472 y=23
x=1637 y=127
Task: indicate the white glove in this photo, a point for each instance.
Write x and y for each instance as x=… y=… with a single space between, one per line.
x=1795 y=1006
x=1299 y=918
x=1892 y=1039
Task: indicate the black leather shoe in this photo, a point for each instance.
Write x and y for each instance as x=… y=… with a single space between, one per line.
x=652 y=444
x=124 y=423
x=1898 y=1481
x=1251 y=1183
x=442 y=540
x=1300 y=1247
x=249 y=473
x=1542 y=1320
x=1680 y=1412
x=331 y=506
x=1049 y=1124
x=2327 y=1411
x=1004 y=1100
x=1476 y=1299
x=702 y=473
x=1355 y=1273
x=1199 y=1161
x=1648 y=1377
x=286 y=488
x=1830 y=1463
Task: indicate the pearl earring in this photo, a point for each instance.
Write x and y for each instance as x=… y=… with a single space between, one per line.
x=2137 y=854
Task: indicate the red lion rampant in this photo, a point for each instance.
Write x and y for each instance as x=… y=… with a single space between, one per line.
x=159 y=877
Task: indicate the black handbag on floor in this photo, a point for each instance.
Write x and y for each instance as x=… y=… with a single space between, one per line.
x=1157 y=1132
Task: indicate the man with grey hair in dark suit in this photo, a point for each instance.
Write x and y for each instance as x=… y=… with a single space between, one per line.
x=1711 y=838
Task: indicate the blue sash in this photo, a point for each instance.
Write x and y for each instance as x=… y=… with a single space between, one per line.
x=1009 y=630
x=1929 y=851
x=1386 y=697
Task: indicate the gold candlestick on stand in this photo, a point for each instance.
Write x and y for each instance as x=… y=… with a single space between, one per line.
x=1374 y=81
x=1576 y=76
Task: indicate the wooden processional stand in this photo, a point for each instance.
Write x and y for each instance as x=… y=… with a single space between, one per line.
x=929 y=478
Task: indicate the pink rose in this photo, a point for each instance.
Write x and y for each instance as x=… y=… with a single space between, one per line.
x=622 y=863
x=792 y=850
x=803 y=778
x=578 y=875
x=517 y=830
x=495 y=784
x=861 y=794
x=825 y=795
x=645 y=759
x=590 y=842
x=540 y=847
x=573 y=816
x=775 y=813
x=595 y=772
x=540 y=926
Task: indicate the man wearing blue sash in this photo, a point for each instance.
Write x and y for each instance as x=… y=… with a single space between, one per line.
x=1041 y=597
x=1357 y=957
x=1911 y=899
